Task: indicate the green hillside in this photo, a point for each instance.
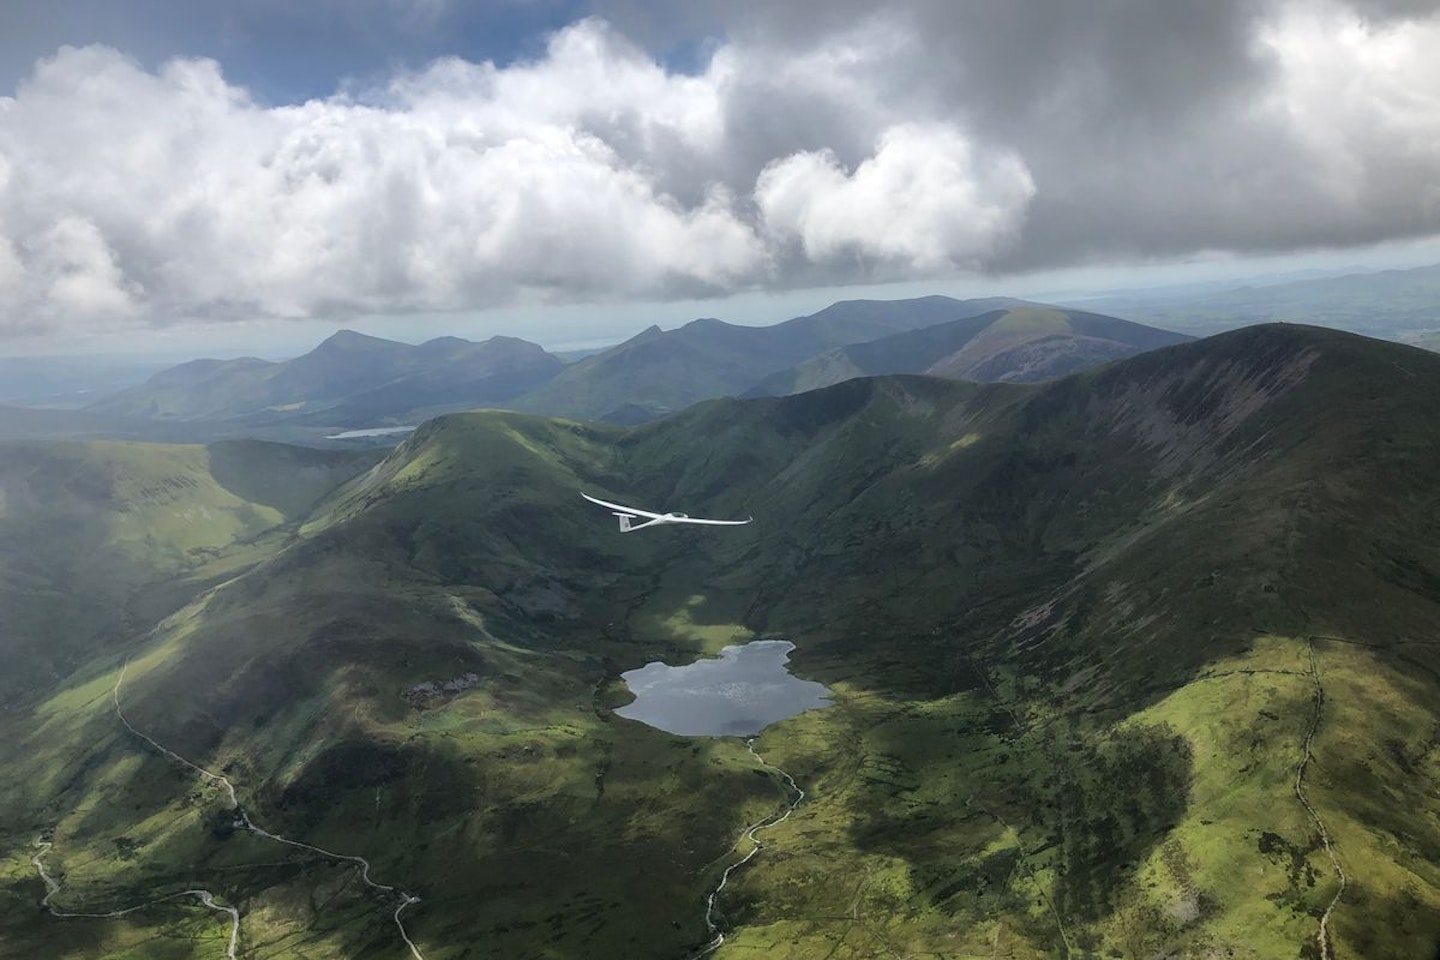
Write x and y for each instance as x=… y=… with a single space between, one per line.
x=99 y=539
x=1024 y=342
x=1135 y=663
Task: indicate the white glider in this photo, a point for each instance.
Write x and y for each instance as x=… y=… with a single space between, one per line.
x=627 y=514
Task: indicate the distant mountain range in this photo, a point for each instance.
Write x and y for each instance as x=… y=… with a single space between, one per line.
x=350 y=379
x=1387 y=303
x=356 y=381
x=1026 y=342
x=353 y=380
x=659 y=372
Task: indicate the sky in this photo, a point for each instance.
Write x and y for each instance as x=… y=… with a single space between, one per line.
x=250 y=175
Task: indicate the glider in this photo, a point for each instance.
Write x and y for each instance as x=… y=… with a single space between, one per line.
x=627 y=514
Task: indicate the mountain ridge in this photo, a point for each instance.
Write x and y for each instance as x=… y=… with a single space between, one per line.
x=347 y=379
x=355 y=380
x=1022 y=342
x=658 y=372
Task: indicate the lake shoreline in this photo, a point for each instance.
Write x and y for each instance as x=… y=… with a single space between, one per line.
x=738 y=693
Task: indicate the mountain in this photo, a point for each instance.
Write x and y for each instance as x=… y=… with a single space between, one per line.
x=97 y=540
x=658 y=372
x=348 y=380
x=352 y=380
x=1387 y=303
x=1137 y=662
x=1018 y=344
x=196 y=390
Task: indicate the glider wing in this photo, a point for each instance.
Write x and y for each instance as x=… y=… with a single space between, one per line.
x=724 y=523
x=630 y=510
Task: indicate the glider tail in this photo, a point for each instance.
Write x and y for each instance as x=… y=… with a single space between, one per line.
x=625 y=519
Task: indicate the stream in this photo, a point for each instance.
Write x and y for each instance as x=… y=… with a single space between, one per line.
x=52 y=887
x=796 y=794
x=242 y=819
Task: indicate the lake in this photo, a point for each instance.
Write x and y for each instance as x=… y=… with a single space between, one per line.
x=369 y=432
x=737 y=694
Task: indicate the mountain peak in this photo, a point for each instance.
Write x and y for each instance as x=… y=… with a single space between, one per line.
x=351 y=340
x=649 y=333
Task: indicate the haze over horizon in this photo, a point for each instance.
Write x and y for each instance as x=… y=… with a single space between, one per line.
x=176 y=178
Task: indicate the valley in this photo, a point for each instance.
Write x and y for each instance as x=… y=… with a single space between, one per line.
x=206 y=898
x=1133 y=662
x=795 y=796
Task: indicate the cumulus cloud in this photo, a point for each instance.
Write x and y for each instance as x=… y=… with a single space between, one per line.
x=818 y=143
x=1363 y=99
x=176 y=193
x=1330 y=141
x=921 y=203
x=591 y=173
x=1148 y=129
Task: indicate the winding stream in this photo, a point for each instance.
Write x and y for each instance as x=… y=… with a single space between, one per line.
x=1322 y=937
x=242 y=819
x=738 y=693
x=748 y=700
x=796 y=794
x=52 y=887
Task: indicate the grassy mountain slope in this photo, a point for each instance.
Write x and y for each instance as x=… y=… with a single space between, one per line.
x=350 y=379
x=658 y=372
x=97 y=539
x=1113 y=658
x=1020 y=343
x=198 y=389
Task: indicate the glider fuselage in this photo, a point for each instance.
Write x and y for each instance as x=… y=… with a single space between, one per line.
x=627 y=524
x=628 y=515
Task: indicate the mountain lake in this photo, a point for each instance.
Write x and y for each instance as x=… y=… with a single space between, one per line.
x=738 y=694
x=369 y=432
